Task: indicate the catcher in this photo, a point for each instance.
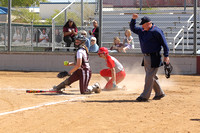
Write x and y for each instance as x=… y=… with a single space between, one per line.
x=115 y=74
x=81 y=70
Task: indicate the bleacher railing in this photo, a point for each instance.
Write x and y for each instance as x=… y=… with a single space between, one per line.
x=53 y=25
x=190 y=24
x=175 y=45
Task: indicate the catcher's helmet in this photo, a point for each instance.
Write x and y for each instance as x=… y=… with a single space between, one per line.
x=80 y=37
x=103 y=50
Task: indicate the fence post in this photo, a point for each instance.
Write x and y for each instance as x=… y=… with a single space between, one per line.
x=5 y=33
x=195 y=27
x=53 y=35
x=100 y=22
x=174 y=46
x=9 y=25
x=32 y=34
x=184 y=5
x=82 y=14
x=140 y=5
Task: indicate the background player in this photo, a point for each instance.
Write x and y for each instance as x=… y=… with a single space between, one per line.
x=115 y=74
x=81 y=70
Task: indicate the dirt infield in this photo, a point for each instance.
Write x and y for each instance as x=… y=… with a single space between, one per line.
x=107 y=112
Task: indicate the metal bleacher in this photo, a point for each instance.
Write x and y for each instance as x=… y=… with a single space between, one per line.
x=115 y=23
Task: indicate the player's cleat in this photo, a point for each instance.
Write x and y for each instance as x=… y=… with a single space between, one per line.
x=96 y=88
x=88 y=91
x=117 y=88
x=54 y=89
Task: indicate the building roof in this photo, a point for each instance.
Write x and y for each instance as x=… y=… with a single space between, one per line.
x=3 y=10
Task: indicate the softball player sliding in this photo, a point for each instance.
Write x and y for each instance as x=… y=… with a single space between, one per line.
x=81 y=70
x=115 y=74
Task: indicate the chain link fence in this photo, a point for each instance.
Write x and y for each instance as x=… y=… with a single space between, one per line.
x=172 y=16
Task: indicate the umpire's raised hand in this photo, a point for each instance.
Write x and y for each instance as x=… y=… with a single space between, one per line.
x=135 y=16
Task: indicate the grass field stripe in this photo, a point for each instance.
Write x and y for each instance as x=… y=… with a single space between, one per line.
x=38 y=106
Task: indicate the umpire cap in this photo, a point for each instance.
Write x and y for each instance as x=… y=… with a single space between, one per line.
x=144 y=20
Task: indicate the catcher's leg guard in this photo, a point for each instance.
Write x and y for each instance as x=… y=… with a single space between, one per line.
x=61 y=85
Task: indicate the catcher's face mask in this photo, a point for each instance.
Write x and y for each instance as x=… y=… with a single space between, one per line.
x=77 y=42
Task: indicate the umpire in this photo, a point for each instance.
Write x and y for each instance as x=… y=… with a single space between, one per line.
x=152 y=40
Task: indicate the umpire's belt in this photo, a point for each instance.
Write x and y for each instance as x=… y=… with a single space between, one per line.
x=146 y=54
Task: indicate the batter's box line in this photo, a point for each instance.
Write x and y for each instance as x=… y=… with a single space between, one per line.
x=42 y=105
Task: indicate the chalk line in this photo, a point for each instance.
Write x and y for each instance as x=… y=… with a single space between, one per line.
x=38 y=106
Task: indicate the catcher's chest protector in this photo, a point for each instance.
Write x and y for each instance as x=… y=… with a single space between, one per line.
x=84 y=59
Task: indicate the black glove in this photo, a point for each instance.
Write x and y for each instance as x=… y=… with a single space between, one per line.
x=63 y=74
x=168 y=69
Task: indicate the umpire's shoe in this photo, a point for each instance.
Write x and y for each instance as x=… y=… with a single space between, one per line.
x=141 y=99
x=158 y=97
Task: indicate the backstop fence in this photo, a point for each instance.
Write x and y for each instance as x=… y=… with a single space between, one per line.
x=174 y=17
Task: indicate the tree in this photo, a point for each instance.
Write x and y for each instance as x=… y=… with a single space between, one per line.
x=60 y=20
x=21 y=3
x=24 y=16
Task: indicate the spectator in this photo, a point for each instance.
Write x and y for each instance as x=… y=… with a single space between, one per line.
x=28 y=35
x=58 y=37
x=44 y=37
x=95 y=31
x=70 y=31
x=93 y=45
x=87 y=43
x=128 y=41
x=117 y=46
x=2 y=35
x=17 y=37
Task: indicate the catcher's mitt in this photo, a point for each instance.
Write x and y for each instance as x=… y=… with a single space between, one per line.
x=63 y=74
x=168 y=69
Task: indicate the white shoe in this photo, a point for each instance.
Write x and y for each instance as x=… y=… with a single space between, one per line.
x=53 y=89
x=96 y=88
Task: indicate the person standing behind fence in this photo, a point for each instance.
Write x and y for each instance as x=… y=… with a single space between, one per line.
x=151 y=40
x=128 y=41
x=95 y=31
x=70 y=31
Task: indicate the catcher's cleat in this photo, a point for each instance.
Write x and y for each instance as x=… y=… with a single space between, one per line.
x=55 y=88
x=87 y=91
x=96 y=88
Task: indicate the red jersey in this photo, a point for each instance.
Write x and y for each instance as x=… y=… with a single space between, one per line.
x=112 y=62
